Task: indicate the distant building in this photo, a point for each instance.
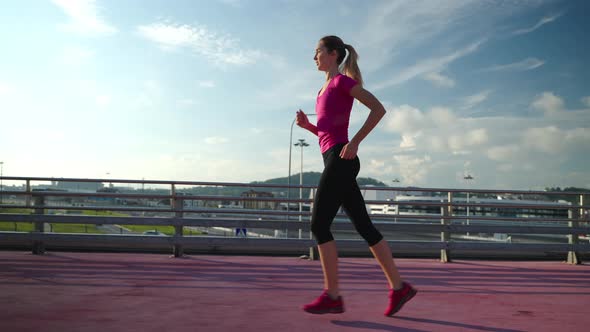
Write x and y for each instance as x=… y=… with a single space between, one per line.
x=77 y=186
x=258 y=205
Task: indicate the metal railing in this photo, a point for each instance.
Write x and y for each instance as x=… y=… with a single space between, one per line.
x=448 y=230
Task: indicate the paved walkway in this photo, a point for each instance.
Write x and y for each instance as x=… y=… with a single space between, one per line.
x=150 y=292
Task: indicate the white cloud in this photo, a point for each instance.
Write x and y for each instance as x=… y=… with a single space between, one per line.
x=207 y=84
x=546 y=139
x=548 y=102
x=554 y=140
x=543 y=21
x=524 y=65
x=586 y=101
x=84 y=17
x=458 y=142
x=477 y=137
x=438 y=130
x=473 y=100
x=405 y=119
x=409 y=141
x=436 y=143
x=439 y=80
x=442 y=116
x=379 y=167
x=578 y=137
x=493 y=144
x=219 y=49
x=503 y=153
x=76 y=56
x=216 y=140
x=413 y=169
x=428 y=66
x=455 y=142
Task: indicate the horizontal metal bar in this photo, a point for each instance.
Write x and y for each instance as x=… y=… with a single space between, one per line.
x=143 y=241
x=445 y=203
x=260 y=185
x=154 y=196
x=473 y=218
x=274 y=245
x=297 y=200
x=91 y=208
x=539 y=247
x=172 y=221
x=159 y=182
x=290 y=225
x=554 y=206
x=305 y=214
x=518 y=229
x=55 y=193
x=218 y=211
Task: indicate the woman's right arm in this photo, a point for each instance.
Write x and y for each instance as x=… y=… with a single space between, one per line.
x=303 y=122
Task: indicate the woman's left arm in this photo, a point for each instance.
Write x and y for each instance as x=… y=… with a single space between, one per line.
x=377 y=112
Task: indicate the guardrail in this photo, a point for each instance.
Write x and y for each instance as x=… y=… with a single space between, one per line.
x=452 y=223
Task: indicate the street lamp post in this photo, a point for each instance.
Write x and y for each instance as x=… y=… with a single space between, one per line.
x=468 y=177
x=301 y=144
x=289 y=176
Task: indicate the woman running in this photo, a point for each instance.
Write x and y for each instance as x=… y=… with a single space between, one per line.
x=338 y=186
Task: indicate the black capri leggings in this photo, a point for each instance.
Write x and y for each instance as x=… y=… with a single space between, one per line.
x=337 y=188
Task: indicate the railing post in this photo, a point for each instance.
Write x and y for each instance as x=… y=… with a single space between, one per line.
x=445 y=236
x=38 y=245
x=177 y=205
x=28 y=191
x=572 y=256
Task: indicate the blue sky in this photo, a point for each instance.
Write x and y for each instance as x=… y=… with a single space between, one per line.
x=207 y=90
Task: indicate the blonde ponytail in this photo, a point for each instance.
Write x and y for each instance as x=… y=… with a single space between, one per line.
x=351 y=68
x=348 y=63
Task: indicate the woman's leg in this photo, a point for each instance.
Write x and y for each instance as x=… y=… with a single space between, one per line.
x=357 y=211
x=355 y=208
x=327 y=202
x=382 y=254
x=329 y=260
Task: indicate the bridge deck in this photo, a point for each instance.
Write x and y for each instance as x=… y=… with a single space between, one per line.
x=149 y=292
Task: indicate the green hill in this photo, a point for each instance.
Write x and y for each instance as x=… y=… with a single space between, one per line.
x=312 y=178
x=309 y=178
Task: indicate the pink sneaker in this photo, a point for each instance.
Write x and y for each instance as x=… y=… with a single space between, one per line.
x=325 y=305
x=398 y=298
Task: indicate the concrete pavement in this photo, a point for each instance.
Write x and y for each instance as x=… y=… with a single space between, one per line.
x=64 y=291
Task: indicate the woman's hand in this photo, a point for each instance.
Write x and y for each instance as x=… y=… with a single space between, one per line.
x=302 y=120
x=349 y=151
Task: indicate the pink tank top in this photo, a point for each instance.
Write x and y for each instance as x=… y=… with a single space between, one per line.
x=333 y=109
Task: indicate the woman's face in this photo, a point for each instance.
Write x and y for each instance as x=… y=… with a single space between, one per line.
x=324 y=59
